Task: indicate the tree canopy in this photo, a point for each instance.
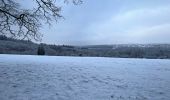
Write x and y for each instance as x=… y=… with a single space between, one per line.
x=16 y=21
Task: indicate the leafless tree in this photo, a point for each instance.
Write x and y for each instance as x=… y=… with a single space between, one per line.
x=16 y=21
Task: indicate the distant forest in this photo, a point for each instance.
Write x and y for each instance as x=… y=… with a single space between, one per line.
x=151 y=51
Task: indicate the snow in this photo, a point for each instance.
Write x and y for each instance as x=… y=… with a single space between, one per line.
x=24 y=77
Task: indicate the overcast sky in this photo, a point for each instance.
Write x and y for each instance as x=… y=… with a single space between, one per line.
x=112 y=22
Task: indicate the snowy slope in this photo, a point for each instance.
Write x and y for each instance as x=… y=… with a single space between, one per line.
x=83 y=78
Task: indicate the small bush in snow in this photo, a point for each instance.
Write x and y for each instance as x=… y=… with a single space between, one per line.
x=41 y=50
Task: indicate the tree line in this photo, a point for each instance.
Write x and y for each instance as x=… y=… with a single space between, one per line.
x=16 y=46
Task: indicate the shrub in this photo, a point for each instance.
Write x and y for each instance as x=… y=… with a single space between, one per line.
x=41 y=50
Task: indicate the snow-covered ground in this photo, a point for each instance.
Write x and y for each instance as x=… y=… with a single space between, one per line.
x=83 y=78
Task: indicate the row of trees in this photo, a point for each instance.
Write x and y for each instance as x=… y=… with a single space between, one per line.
x=13 y=46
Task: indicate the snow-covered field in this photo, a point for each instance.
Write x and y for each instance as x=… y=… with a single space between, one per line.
x=83 y=78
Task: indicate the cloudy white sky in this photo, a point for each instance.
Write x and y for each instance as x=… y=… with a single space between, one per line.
x=111 y=22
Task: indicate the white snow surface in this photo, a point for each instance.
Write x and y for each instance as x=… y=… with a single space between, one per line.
x=24 y=77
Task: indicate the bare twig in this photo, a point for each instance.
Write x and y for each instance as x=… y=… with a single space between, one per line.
x=26 y=23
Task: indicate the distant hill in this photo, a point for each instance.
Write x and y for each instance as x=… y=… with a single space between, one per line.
x=152 y=51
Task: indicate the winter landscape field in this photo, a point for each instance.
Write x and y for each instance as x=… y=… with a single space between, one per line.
x=83 y=78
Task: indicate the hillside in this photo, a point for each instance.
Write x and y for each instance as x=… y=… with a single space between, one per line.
x=153 y=51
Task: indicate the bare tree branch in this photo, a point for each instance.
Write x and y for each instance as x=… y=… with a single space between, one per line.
x=26 y=23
